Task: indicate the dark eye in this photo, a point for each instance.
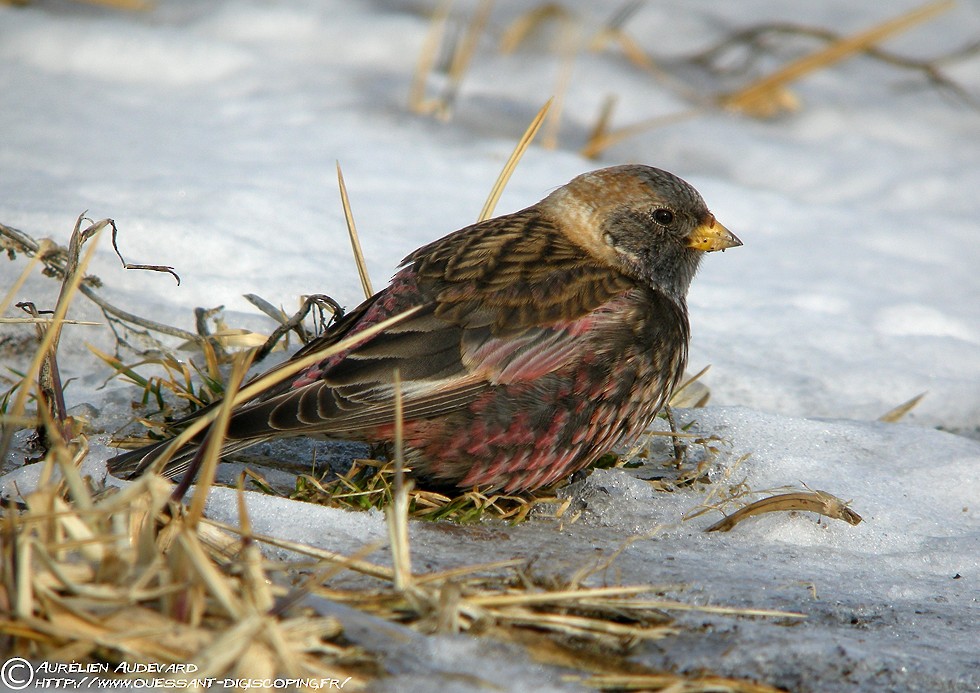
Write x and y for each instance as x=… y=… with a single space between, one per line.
x=664 y=217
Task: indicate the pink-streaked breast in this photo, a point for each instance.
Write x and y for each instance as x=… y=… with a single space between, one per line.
x=530 y=432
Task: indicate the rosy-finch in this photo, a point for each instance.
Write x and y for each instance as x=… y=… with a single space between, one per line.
x=541 y=340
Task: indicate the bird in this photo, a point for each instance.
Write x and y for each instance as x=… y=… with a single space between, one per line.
x=540 y=340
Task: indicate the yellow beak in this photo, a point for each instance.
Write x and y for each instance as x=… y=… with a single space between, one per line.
x=711 y=236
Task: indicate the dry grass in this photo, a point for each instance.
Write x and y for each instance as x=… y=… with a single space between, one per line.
x=355 y=241
x=465 y=44
x=125 y=577
x=769 y=96
x=763 y=97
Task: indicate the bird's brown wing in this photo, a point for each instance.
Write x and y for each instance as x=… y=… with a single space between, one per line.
x=518 y=271
x=507 y=299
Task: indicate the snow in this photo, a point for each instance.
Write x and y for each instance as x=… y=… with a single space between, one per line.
x=349 y=532
x=210 y=133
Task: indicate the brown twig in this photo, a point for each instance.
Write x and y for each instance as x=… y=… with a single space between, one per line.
x=126 y=317
x=295 y=323
x=152 y=268
x=819 y=502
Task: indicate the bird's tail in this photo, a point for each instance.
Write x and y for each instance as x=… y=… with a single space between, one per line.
x=134 y=463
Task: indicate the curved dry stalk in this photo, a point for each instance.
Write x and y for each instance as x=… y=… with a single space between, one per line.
x=512 y=161
x=753 y=38
x=819 y=502
x=152 y=268
x=38 y=320
x=355 y=242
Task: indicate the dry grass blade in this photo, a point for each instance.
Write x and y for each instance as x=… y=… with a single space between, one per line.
x=238 y=338
x=355 y=242
x=672 y=605
x=768 y=97
x=819 y=502
x=602 y=123
x=417 y=103
x=534 y=598
x=354 y=564
x=277 y=314
x=512 y=161
x=396 y=514
x=605 y=631
x=211 y=450
x=570 y=43
x=467 y=48
x=613 y=31
x=599 y=143
x=454 y=573
x=691 y=393
x=631 y=49
x=898 y=413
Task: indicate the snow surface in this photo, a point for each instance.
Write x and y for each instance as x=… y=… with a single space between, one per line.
x=210 y=132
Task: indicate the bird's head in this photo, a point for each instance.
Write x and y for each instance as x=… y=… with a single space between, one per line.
x=647 y=223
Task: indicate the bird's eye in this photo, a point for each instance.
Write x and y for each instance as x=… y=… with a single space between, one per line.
x=664 y=217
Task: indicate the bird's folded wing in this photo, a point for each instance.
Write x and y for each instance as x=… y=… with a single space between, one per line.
x=506 y=300
x=442 y=367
